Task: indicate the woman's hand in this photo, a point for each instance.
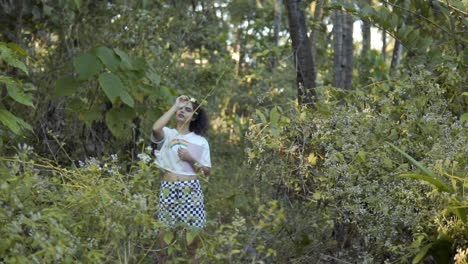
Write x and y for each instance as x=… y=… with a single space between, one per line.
x=182 y=101
x=185 y=155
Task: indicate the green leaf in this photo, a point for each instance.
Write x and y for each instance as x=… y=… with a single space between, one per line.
x=66 y=86
x=88 y=116
x=458 y=4
x=111 y=85
x=366 y=11
x=77 y=3
x=9 y=56
x=119 y=121
x=404 y=31
x=361 y=156
x=261 y=115
x=190 y=235
x=415 y=163
x=168 y=236
x=17 y=49
x=87 y=65
x=464 y=117
x=15 y=91
x=437 y=183
x=460 y=212
x=108 y=57
x=421 y=254
x=14 y=123
x=154 y=77
x=274 y=117
x=126 y=60
x=394 y=21
x=127 y=98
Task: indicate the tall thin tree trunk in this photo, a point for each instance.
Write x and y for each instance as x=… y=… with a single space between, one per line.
x=237 y=48
x=348 y=49
x=277 y=28
x=305 y=67
x=397 y=49
x=338 y=78
x=366 y=33
x=315 y=28
x=384 y=45
x=384 y=40
x=343 y=49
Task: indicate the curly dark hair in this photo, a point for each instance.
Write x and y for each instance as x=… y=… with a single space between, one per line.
x=200 y=124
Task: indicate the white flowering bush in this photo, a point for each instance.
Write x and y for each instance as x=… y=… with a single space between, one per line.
x=92 y=213
x=97 y=211
x=336 y=164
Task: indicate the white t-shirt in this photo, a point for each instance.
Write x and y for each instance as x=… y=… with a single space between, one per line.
x=167 y=158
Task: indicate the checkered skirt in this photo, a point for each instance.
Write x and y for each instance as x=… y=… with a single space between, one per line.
x=182 y=202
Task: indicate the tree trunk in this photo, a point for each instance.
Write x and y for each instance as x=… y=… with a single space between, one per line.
x=277 y=27
x=366 y=33
x=315 y=28
x=343 y=49
x=304 y=61
x=384 y=41
x=338 y=78
x=348 y=48
x=237 y=48
x=397 y=49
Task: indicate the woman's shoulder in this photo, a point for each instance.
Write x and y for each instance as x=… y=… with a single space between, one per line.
x=200 y=138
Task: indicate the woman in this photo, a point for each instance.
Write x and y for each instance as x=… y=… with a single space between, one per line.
x=182 y=153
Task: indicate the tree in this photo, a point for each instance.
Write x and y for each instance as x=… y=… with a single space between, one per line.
x=366 y=32
x=304 y=62
x=276 y=29
x=343 y=49
x=315 y=27
x=398 y=47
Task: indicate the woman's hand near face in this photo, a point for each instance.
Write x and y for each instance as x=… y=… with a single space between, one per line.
x=182 y=101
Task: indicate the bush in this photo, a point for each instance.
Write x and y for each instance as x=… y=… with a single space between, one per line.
x=335 y=163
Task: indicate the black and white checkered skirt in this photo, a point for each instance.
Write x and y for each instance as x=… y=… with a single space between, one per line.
x=182 y=202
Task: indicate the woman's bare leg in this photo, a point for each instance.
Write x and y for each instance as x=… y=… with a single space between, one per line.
x=192 y=250
x=163 y=246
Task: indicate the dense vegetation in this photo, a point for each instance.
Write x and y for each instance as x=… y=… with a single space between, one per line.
x=305 y=170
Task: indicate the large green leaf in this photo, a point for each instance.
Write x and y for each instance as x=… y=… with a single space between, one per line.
x=17 y=49
x=436 y=182
x=108 y=57
x=66 y=86
x=429 y=175
x=119 y=121
x=422 y=254
x=126 y=60
x=114 y=88
x=15 y=91
x=111 y=85
x=127 y=98
x=9 y=56
x=87 y=65
x=464 y=117
x=14 y=123
x=415 y=163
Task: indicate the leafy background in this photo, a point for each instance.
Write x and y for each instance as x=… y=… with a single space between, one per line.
x=372 y=174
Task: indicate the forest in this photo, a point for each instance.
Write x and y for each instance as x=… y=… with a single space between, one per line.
x=338 y=129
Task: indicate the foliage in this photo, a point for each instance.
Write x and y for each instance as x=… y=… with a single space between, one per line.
x=97 y=213
x=320 y=185
x=335 y=163
x=452 y=219
x=16 y=89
